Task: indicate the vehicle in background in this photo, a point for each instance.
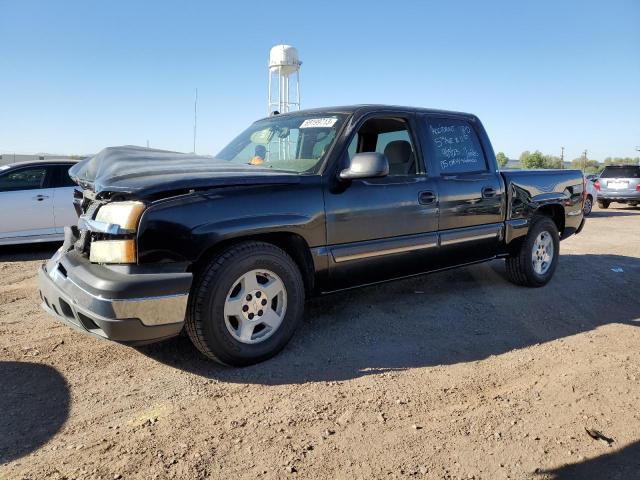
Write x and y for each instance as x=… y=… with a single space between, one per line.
x=619 y=183
x=592 y=194
x=36 y=201
x=298 y=204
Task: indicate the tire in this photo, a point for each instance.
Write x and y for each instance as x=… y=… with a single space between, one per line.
x=221 y=285
x=603 y=203
x=588 y=206
x=520 y=265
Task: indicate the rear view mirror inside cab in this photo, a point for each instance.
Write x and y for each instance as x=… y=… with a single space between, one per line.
x=262 y=136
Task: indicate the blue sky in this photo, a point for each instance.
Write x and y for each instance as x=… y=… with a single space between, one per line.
x=78 y=76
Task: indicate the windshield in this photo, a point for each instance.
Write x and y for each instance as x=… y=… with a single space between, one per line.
x=292 y=142
x=621 y=172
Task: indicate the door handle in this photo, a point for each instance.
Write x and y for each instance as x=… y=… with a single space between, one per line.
x=426 y=197
x=40 y=197
x=488 y=192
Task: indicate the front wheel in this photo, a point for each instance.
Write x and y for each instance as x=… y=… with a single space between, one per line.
x=534 y=263
x=603 y=203
x=245 y=304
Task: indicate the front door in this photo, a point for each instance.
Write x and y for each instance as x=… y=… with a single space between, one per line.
x=26 y=204
x=384 y=227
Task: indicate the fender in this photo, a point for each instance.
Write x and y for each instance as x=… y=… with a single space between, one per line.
x=182 y=229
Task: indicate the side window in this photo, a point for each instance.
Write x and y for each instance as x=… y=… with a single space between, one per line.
x=391 y=137
x=62 y=177
x=455 y=147
x=23 y=179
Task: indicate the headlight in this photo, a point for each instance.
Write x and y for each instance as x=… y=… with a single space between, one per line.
x=123 y=214
x=115 y=219
x=113 y=251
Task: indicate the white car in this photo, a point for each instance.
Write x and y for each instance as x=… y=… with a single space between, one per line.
x=592 y=194
x=36 y=202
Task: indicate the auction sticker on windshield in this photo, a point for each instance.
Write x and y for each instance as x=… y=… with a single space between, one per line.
x=319 y=122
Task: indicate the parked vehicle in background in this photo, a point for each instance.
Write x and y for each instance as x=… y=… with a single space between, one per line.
x=592 y=195
x=36 y=201
x=619 y=183
x=298 y=204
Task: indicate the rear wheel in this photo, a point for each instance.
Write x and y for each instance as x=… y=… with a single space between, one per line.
x=246 y=304
x=603 y=203
x=588 y=206
x=534 y=263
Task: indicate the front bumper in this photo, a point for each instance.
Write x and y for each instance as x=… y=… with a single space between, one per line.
x=132 y=308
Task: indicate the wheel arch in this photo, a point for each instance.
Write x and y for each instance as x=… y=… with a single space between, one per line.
x=293 y=244
x=555 y=211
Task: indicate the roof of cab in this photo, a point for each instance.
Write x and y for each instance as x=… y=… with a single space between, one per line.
x=368 y=108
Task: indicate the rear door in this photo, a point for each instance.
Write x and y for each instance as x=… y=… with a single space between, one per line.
x=470 y=189
x=63 y=210
x=26 y=202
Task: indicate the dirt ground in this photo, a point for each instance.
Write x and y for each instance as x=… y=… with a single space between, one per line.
x=453 y=375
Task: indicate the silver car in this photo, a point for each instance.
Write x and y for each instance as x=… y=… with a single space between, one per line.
x=36 y=202
x=619 y=183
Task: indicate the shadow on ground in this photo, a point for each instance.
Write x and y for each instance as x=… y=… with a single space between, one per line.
x=27 y=252
x=623 y=464
x=34 y=404
x=445 y=318
x=615 y=210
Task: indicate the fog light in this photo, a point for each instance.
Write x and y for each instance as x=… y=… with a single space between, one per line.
x=113 y=251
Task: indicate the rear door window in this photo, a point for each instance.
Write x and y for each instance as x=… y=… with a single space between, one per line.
x=454 y=146
x=62 y=178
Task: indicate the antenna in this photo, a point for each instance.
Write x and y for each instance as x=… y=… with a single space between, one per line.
x=195 y=120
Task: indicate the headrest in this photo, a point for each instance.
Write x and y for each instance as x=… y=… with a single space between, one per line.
x=398 y=151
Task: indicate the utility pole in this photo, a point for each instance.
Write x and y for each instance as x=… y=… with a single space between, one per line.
x=195 y=120
x=584 y=160
x=562 y=158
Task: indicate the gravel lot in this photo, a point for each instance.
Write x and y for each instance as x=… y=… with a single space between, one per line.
x=454 y=375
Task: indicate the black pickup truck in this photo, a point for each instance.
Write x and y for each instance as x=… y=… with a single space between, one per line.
x=304 y=203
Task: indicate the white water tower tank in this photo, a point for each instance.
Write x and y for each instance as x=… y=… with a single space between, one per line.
x=284 y=79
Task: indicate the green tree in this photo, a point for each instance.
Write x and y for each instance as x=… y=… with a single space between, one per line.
x=622 y=161
x=551 y=161
x=502 y=159
x=588 y=166
x=533 y=160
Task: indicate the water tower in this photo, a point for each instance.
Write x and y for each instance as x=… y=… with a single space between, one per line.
x=284 y=79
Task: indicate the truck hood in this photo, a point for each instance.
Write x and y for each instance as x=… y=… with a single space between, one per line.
x=143 y=172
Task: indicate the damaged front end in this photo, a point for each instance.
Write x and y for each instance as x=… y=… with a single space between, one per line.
x=93 y=282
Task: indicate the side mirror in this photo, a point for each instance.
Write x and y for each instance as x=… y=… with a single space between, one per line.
x=366 y=165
